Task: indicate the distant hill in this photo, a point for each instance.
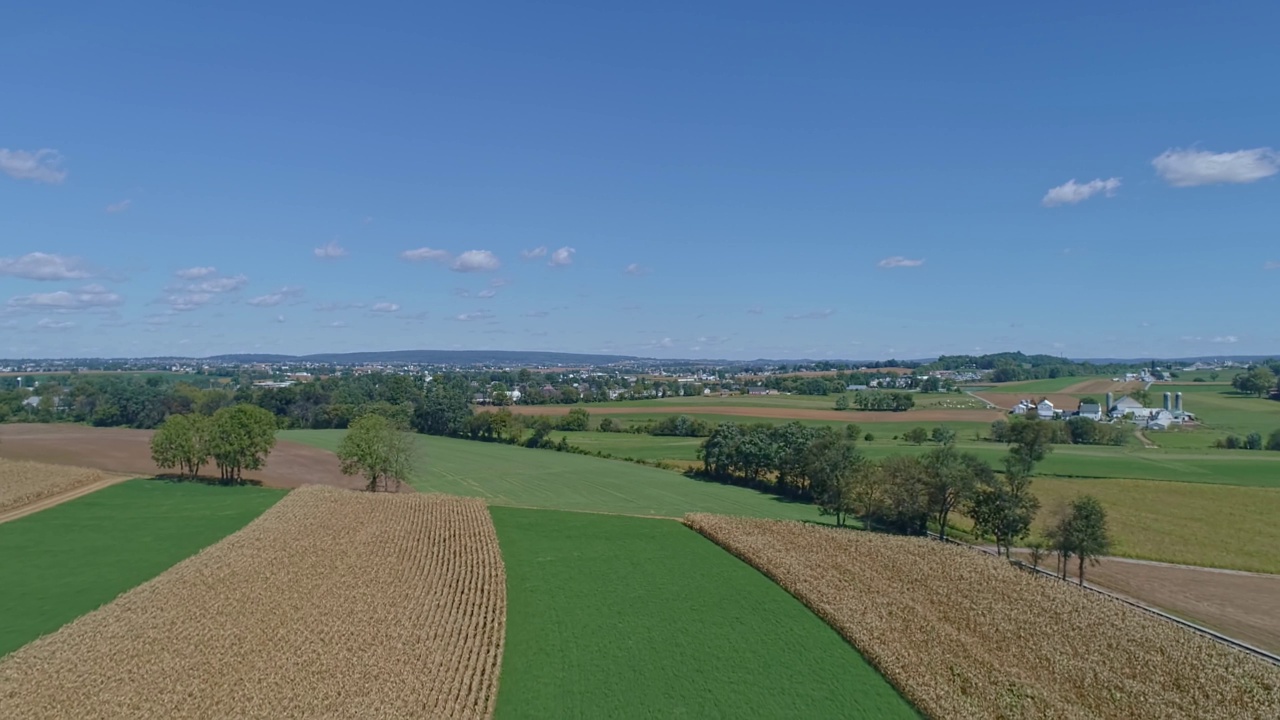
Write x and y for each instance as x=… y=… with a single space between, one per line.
x=437 y=357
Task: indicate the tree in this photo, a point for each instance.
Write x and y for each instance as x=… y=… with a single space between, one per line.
x=902 y=480
x=443 y=411
x=1037 y=549
x=378 y=450
x=842 y=402
x=1253 y=441
x=1087 y=522
x=1004 y=508
x=943 y=436
x=240 y=437
x=1213 y=376
x=1030 y=441
x=950 y=477
x=1273 y=442
x=1258 y=381
x=832 y=463
x=181 y=442
x=578 y=419
x=1142 y=395
x=607 y=425
x=916 y=436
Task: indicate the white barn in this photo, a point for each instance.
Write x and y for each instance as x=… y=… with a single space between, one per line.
x=1044 y=410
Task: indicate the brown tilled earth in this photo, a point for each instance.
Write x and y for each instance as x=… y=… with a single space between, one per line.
x=124 y=451
x=853 y=416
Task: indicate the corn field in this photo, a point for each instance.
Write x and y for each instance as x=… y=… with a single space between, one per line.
x=22 y=483
x=332 y=604
x=964 y=635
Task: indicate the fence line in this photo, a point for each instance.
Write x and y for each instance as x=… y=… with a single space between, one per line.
x=1211 y=634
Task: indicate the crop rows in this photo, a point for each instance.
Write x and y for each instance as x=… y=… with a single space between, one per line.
x=963 y=635
x=22 y=483
x=331 y=604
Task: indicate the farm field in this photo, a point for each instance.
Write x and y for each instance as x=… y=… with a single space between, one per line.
x=331 y=604
x=959 y=401
x=24 y=483
x=68 y=560
x=507 y=475
x=125 y=451
x=1053 y=385
x=623 y=617
x=767 y=413
x=1208 y=525
x=1052 y=649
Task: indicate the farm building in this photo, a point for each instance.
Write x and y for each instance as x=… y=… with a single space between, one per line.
x=1044 y=410
x=1093 y=411
x=761 y=391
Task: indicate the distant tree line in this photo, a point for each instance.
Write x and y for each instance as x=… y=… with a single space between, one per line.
x=1075 y=431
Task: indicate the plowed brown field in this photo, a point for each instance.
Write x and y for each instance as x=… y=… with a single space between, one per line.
x=332 y=604
x=23 y=483
x=120 y=450
x=853 y=416
x=965 y=635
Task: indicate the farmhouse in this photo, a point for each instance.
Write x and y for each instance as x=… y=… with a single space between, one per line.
x=1093 y=411
x=1023 y=407
x=1044 y=410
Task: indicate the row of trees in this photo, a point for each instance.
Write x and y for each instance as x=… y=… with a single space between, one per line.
x=1252 y=441
x=1259 y=380
x=1075 y=431
x=880 y=400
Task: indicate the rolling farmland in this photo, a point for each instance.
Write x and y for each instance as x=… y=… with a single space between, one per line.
x=332 y=603
x=624 y=617
x=1010 y=644
x=68 y=560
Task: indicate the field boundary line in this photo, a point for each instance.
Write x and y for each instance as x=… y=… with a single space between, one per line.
x=55 y=500
x=1194 y=627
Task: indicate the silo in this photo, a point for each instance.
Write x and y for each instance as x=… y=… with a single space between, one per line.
x=1167 y=398
x=1110 y=403
x=1177 y=402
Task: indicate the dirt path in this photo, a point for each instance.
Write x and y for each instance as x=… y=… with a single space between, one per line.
x=852 y=416
x=1142 y=438
x=128 y=452
x=46 y=503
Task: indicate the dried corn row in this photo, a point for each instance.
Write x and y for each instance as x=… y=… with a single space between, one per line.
x=331 y=604
x=963 y=635
x=22 y=483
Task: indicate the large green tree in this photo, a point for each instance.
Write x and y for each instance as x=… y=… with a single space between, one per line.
x=240 y=438
x=950 y=477
x=1258 y=381
x=1081 y=532
x=182 y=442
x=833 y=465
x=378 y=450
x=1004 y=508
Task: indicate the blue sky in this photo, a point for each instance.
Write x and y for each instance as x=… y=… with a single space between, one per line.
x=729 y=180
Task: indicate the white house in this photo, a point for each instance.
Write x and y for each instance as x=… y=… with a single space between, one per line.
x=1044 y=410
x=1093 y=411
x=1023 y=407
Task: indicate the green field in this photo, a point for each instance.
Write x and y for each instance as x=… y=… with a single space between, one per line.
x=794 y=402
x=1213 y=526
x=63 y=562
x=509 y=475
x=1048 y=385
x=620 y=617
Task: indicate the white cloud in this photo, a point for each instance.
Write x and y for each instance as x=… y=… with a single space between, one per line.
x=812 y=315
x=50 y=324
x=473 y=316
x=279 y=318
x=41 y=165
x=475 y=261
x=665 y=342
x=534 y=254
x=385 y=307
x=487 y=293
x=218 y=284
x=119 y=207
x=330 y=249
x=897 y=261
x=92 y=296
x=425 y=253
x=277 y=297
x=195 y=273
x=499 y=282
x=562 y=257
x=44 y=266
x=1188 y=168
x=1072 y=192
x=337 y=324
x=636 y=269
x=1228 y=339
x=755 y=310
x=184 y=302
x=334 y=307
x=1271 y=265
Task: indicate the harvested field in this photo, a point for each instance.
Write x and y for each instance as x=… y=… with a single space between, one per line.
x=330 y=604
x=24 y=483
x=120 y=450
x=964 y=635
x=1102 y=387
x=769 y=413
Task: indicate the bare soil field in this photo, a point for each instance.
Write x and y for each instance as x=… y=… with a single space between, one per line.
x=1238 y=604
x=124 y=451
x=1101 y=387
x=852 y=416
x=965 y=635
x=331 y=604
x=27 y=483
